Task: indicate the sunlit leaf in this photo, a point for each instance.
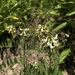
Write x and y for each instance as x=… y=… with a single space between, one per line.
x=25 y=17
x=71 y=12
x=53 y=12
x=14 y=5
x=15 y=18
x=60 y=26
x=0 y=16
x=63 y=55
x=56 y=71
x=58 y=6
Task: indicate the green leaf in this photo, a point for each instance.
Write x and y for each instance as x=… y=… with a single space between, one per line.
x=53 y=12
x=11 y=61
x=63 y=55
x=1 y=31
x=0 y=67
x=18 y=23
x=21 y=59
x=71 y=12
x=27 y=69
x=15 y=60
x=25 y=17
x=59 y=6
x=14 y=5
x=55 y=72
x=3 y=64
x=8 y=63
x=60 y=26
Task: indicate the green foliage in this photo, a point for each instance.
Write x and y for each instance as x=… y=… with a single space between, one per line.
x=60 y=26
x=63 y=55
x=21 y=59
x=30 y=24
x=70 y=13
x=41 y=69
x=4 y=64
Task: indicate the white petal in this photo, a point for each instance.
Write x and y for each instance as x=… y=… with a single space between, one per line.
x=50 y=45
x=55 y=41
x=66 y=35
x=56 y=36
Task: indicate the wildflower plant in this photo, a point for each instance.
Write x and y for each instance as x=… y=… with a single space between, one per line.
x=39 y=25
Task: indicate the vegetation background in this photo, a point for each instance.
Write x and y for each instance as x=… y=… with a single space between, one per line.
x=38 y=25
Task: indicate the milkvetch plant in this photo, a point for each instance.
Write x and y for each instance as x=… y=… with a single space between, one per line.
x=39 y=25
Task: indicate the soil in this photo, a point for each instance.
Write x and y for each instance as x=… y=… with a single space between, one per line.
x=31 y=56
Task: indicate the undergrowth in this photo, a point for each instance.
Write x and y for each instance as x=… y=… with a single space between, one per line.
x=45 y=25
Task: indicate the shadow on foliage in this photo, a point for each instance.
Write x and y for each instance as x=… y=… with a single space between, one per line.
x=6 y=50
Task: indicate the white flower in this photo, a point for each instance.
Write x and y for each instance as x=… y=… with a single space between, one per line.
x=67 y=35
x=34 y=64
x=55 y=41
x=42 y=29
x=44 y=40
x=27 y=29
x=21 y=29
x=56 y=44
x=11 y=29
x=39 y=26
x=56 y=37
x=21 y=34
x=50 y=45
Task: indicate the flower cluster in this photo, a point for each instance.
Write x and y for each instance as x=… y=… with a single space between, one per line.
x=42 y=29
x=46 y=40
x=51 y=42
x=23 y=31
x=11 y=29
